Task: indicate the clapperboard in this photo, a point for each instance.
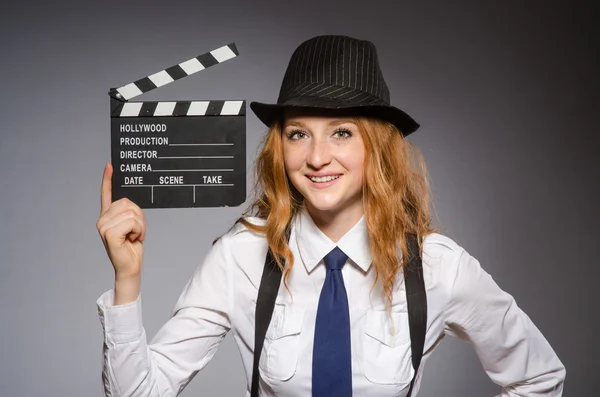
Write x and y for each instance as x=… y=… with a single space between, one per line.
x=178 y=154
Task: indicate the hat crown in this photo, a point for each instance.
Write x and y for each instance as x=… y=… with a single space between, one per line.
x=335 y=67
x=335 y=72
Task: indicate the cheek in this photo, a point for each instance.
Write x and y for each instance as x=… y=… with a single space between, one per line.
x=292 y=159
x=353 y=161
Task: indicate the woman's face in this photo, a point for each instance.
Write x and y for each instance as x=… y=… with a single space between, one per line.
x=323 y=156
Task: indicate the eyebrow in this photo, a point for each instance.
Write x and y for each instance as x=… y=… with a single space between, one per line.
x=331 y=123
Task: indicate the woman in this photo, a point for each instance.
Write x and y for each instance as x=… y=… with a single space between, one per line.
x=340 y=189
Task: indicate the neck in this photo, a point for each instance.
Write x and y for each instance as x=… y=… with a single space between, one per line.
x=334 y=224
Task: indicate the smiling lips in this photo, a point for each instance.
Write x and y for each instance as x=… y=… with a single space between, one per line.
x=323 y=181
x=320 y=179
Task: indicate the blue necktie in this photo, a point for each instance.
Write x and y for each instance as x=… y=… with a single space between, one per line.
x=332 y=367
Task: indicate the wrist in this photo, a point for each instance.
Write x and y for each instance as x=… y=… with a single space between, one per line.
x=128 y=278
x=126 y=289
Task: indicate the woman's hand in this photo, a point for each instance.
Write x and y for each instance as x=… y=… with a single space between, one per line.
x=122 y=227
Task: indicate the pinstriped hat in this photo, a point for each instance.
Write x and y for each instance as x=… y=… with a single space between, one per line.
x=336 y=72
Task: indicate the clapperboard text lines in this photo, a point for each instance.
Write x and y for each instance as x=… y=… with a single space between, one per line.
x=201 y=144
x=195 y=157
x=198 y=170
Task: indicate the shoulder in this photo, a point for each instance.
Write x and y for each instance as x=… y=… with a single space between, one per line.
x=240 y=239
x=437 y=243
x=441 y=258
x=240 y=232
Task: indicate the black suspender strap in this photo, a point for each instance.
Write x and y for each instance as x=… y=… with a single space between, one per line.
x=265 y=303
x=415 y=296
x=416 y=300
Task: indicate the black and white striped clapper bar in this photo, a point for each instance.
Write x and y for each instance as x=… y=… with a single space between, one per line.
x=178 y=154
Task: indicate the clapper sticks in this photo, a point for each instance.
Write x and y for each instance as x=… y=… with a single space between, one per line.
x=178 y=154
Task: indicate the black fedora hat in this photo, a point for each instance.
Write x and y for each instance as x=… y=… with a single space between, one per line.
x=336 y=72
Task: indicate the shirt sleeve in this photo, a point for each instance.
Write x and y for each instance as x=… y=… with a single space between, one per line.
x=182 y=346
x=512 y=350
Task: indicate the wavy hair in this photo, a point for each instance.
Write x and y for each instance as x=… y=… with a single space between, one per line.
x=395 y=198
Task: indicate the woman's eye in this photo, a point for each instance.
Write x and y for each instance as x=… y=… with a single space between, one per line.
x=343 y=133
x=295 y=135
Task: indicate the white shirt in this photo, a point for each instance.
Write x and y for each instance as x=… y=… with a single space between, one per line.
x=462 y=301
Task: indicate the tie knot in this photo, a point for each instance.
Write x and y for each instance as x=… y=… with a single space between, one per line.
x=335 y=259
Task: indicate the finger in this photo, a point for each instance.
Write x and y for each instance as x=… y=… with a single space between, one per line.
x=106 y=189
x=140 y=216
x=121 y=225
x=118 y=207
x=144 y=226
x=136 y=231
x=129 y=229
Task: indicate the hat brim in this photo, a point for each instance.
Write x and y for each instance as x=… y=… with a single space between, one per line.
x=269 y=113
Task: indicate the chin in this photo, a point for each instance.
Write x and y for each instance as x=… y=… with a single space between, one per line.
x=326 y=204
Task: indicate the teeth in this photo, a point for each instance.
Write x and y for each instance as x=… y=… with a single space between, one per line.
x=323 y=178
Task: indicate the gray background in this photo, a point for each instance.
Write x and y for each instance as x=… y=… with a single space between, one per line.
x=507 y=95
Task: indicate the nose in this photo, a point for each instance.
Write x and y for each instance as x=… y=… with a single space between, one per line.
x=319 y=154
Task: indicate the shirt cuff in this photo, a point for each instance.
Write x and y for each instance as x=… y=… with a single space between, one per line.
x=121 y=323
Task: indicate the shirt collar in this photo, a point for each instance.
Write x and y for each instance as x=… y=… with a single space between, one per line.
x=313 y=244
